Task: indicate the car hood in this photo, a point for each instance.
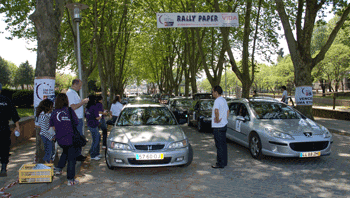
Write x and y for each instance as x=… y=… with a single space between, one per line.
x=182 y=108
x=147 y=134
x=294 y=127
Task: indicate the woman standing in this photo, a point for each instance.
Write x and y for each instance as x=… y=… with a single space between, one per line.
x=116 y=108
x=63 y=119
x=46 y=106
x=92 y=119
x=103 y=125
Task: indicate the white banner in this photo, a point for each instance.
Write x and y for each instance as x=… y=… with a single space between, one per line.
x=173 y=20
x=303 y=95
x=43 y=88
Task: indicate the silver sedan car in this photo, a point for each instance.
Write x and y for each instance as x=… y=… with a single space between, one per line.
x=269 y=127
x=147 y=136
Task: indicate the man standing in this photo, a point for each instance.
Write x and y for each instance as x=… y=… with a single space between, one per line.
x=219 y=122
x=7 y=112
x=77 y=105
x=284 y=95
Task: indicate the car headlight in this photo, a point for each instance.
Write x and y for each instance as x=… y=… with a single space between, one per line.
x=120 y=146
x=278 y=134
x=180 y=144
x=326 y=133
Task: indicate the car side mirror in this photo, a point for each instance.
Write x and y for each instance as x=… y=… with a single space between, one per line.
x=241 y=118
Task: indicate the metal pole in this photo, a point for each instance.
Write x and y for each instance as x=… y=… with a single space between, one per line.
x=225 y=83
x=79 y=67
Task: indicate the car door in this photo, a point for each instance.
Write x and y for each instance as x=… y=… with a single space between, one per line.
x=239 y=120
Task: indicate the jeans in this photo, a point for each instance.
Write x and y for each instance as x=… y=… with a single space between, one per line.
x=68 y=154
x=95 y=146
x=104 y=131
x=48 y=144
x=80 y=129
x=221 y=145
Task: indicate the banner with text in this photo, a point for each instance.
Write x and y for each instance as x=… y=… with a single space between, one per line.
x=43 y=89
x=173 y=20
x=303 y=95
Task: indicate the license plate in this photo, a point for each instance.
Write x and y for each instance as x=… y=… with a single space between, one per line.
x=150 y=156
x=310 y=154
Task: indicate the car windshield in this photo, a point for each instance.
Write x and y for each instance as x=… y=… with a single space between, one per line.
x=273 y=110
x=135 y=116
x=184 y=103
x=207 y=105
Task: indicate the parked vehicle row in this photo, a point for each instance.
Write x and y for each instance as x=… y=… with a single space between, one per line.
x=149 y=135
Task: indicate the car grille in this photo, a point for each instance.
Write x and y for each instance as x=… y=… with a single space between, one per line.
x=309 y=146
x=149 y=147
x=133 y=161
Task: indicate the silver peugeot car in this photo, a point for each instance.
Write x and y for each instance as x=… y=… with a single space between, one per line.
x=147 y=136
x=269 y=127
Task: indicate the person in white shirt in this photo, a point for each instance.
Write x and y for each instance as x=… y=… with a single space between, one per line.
x=77 y=105
x=284 y=95
x=115 y=110
x=219 y=122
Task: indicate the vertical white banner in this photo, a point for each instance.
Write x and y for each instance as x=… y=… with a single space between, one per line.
x=43 y=89
x=303 y=95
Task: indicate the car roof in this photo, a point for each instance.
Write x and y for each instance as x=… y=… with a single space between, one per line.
x=142 y=105
x=254 y=99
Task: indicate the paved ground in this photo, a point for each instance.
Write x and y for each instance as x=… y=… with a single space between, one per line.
x=243 y=177
x=319 y=177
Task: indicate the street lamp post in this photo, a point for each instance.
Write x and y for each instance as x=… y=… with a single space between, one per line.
x=76 y=7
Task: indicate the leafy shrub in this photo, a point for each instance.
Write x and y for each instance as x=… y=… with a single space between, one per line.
x=23 y=98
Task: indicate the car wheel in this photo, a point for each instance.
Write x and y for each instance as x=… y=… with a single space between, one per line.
x=199 y=126
x=190 y=156
x=107 y=163
x=188 y=121
x=255 y=146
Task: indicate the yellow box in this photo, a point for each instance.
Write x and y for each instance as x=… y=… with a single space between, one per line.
x=27 y=174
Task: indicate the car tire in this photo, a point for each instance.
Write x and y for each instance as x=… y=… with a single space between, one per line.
x=199 y=126
x=188 y=121
x=255 y=146
x=190 y=156
x=108 y=165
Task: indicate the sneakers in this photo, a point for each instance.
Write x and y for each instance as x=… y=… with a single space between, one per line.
x=104 y=147
x=72 y=182
x=100 y=156
x=3 y=173
x=96 y=158
x=57 y=171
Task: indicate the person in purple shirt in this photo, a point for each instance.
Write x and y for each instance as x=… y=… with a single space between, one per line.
x=103 y=124
x=62 y=122
x=92 y=119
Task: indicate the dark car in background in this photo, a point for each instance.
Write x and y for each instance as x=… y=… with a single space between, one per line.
x=164 y=99
x=201 y=114
x=180 y=107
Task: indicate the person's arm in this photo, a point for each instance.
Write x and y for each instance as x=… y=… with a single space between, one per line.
x=217 y=116
x=77 y=106
x=228 y=113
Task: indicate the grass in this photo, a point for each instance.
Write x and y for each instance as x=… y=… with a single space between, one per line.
x=25 y=112
x=331 y=97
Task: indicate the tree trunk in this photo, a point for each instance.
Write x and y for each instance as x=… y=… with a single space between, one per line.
x=47 y=19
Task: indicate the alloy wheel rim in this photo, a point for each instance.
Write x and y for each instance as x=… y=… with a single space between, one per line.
x=255 y=146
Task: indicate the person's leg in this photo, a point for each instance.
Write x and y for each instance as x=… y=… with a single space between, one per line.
x=71 y=156
x=104 y=132
x=80 y=129
x=95 y=146
x=48 y=149
x=63 y=158
x=5 y=144
x=221 y=146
